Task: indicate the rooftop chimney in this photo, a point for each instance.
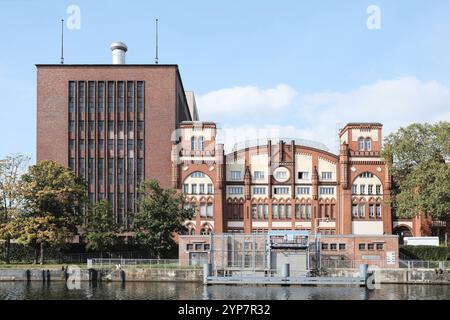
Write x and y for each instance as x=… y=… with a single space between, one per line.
x=118 y=52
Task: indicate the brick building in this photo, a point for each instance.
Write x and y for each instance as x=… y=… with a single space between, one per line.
x=284 y=184
x=111 y=124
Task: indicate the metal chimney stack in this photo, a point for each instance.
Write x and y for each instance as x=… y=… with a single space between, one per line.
x=118 y=52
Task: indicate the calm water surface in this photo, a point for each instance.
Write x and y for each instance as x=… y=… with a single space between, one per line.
x=188 y=291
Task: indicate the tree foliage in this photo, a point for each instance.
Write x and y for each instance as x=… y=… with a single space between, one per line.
x=161 y=215
x=101 y=231
x=421 y=177
x=11 y=169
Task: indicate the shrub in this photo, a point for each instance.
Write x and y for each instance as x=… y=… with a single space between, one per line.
x=426 y=253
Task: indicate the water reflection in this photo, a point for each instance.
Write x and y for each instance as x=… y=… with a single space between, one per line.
x=187 y=291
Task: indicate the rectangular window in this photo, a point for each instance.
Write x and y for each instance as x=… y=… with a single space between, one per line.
x=130 y=202
x=254 y=211
x=121 y=129
x=140 y=145
x=362 y=189
x=101 y=144
x=194 y=188
x=71 y=144
x=101 y=126
x=101 y=96
x=130 y=171
x=303 y=175
x=111 y=129
x=120 y=145
x=140 y=126
x=308 y=211
x=266 y=211
x=81 y=145
x=281 y=190
x=130 y=129
x=130 y=96
x=371 y=211
x=72 y=164
x=71 y=126
x=140 y=170
x=110 y=145
x=274 y=211
x=72 y=96
x=111 y=96
x=355 y=210
x=362 y=246
x=111 y=200
x=81 y=96
x=370 y=246
x=341 y=246
x=326 y=190
x=120 y=201
x=202 y=188
x=378 y=210
x=120 y=96
x=235 y=175
x=354 y=189
x=110 y=171
x=140 y=96
x=327 y=175
x=361 y=208
x=235 y=190
x=91 y=126
x=91 y=170
x=379 y=246
x=378 y=188
x=297 y=211
x=333 y=246
x=120 y=171
x=202 y=209
x=91 y=96
x=288 y=211
x=101 y=168
x=91 y=144
x=258 y=175
x=259 y=190
x=186 y=188
x=81 y=126
x=281 y=211
x=130 y=147
x=303 y=190
x=260 y=212
x=369 y=189
x=209 y=210
x=198 y=174
x=210 y=188
x=81 y=167
x=324 y=246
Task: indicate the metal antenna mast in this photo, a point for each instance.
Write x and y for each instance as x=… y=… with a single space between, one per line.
x=62 y=41
x=156 y=58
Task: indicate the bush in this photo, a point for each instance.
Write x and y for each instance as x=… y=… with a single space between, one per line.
x=426 y=253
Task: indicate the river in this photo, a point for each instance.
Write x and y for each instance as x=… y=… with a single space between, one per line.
x=196 y=291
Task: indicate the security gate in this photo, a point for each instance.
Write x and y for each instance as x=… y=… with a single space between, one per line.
x=296 y=259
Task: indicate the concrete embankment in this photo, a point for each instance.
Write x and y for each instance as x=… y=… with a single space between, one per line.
x=401 y=276
x=394 y=276
x=173 y=275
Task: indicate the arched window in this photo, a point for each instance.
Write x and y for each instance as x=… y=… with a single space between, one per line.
x=368 y=144
x=361 y=144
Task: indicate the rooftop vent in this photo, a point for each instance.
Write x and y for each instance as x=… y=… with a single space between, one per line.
x=118 y=52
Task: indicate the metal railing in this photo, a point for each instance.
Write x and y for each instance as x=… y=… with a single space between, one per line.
x=418 y=264
x=353 y=264
x=106 y=263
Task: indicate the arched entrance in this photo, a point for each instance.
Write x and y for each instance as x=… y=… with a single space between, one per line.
x=402 y=231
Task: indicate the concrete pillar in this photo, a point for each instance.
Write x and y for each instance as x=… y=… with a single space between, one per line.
x=286 y=270
x=207 y=272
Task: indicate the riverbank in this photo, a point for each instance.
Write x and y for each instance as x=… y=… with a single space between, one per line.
x=52 y=273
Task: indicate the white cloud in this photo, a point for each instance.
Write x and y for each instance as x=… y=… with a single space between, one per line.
x=244 y=101
x=395 y=103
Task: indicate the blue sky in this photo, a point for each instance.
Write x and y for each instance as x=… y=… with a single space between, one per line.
x=296 y=67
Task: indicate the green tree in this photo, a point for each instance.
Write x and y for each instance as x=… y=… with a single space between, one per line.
x=101 y=232
x=161 y=215
x=11 y=169
x=53 y=194
x=418 y=155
